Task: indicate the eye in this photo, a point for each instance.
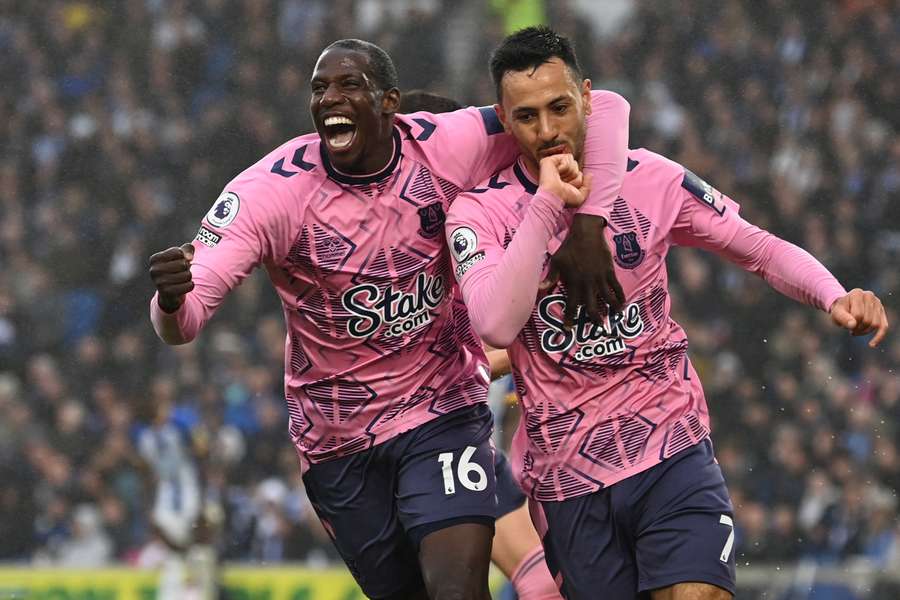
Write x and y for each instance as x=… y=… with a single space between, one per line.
x=318 y=88
x=560 y=108
x=351 y=84
x=525 y=118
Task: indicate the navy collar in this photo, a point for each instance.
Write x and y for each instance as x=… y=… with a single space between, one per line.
x=522 y=175
x=349 y=179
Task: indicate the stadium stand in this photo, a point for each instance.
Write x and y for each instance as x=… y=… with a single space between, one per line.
x=122 y=120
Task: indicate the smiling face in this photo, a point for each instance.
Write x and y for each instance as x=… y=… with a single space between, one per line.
x=545 y=109
x=353 y=116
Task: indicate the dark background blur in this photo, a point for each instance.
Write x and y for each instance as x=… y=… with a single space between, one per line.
x=122 y=120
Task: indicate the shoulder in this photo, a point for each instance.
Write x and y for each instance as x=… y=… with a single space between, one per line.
x=501 y=189
x=651 y=175
x=672 y=179
x=288 y=172
x=297 y=159
x=423 y=126
x=643 y=164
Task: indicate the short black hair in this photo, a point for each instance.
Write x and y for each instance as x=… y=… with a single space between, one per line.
x=416 y=100
x=530 y=48
x=383 y=69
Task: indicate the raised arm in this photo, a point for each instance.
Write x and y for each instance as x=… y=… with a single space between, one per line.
x=500 y=286
x=592 y=283
x=605 y=151
x=192 y=280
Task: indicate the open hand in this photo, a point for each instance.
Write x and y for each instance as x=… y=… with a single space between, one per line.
x=585 y=265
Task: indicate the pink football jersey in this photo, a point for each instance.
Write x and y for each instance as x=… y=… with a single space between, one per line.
x=378 y=340
x=602 y=402
x=377 y=344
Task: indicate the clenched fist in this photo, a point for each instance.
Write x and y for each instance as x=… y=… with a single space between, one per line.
x=170 y=271
x=861 y=312
x=561 y=176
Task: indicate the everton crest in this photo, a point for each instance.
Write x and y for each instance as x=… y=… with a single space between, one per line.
x=431 y=220
x=629 y=253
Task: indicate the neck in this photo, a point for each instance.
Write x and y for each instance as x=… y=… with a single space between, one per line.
x=377 y=158
x=532 y=166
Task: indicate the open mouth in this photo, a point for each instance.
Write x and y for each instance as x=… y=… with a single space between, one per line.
x=339 y=132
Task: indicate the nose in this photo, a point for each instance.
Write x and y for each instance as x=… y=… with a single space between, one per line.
x=331 y=96
x=546 y=128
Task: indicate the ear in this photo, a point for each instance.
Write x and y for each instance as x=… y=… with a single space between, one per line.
x=390 y=101
x=586 y=96
x=501 y=114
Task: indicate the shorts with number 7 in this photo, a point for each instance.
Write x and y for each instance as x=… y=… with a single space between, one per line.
x=644 y=533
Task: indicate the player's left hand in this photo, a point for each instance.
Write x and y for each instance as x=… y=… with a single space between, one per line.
x=861 y=312
x=584 y=263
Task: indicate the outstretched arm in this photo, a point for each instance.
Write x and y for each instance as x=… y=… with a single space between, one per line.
x=798 y=275
x=709 y=219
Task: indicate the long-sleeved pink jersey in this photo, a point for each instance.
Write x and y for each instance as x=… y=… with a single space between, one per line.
x=604 y=402
x=378 y=341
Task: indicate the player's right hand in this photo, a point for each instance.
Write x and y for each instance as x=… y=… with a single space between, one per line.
x=170 y=271
x=561 y=176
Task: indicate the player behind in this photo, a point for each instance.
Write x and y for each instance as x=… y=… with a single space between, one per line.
x=516 y=548
x=613 y=449
x=385 y=382
x=186 y=560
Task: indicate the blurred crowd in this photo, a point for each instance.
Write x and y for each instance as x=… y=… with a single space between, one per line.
x=123 y=119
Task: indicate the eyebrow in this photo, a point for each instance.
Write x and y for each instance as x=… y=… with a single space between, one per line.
x=522 y=109
x=341 y=77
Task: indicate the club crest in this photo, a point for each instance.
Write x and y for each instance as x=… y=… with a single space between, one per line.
x=629 y=253
x=431 y=220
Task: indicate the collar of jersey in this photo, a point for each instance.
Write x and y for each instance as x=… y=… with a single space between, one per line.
x=522 y=175
x=349 y=179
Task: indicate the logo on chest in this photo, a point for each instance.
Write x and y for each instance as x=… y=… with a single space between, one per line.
x=399 y=312
x=431 y=220
x=629 y=253
x=590 y=340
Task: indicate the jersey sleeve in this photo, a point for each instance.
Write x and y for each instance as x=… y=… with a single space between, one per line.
x=706 y=217
x=710 y=220
x=233 y=239
x=466 y=146
x=605 y=151
x=499 y=286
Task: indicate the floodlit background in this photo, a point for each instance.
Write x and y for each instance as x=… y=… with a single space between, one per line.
x=121 y=120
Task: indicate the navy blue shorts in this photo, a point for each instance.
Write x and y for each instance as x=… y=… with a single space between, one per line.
x=377 y=505
x=672 y=523
x=509 y=495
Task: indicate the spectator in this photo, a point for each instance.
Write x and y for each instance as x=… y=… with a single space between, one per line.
x=121 y=122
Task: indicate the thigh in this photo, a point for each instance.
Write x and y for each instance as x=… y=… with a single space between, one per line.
x=354 y=498
x=588 y=554
x=456 y=561
x=686 y=525
x=691 y=591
